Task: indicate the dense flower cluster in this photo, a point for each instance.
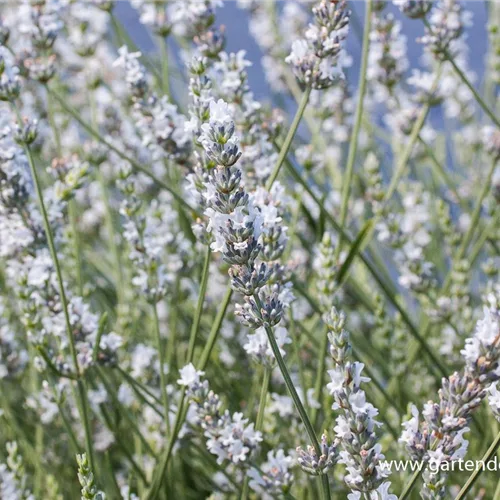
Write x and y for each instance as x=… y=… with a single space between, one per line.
x=439 y=437
x=356 y=425
x=229 y=437
x=318 y=59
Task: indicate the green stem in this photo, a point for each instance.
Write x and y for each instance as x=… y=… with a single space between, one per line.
x=313 y=125
x=82 y=397
x=353 y=144
x=478 y=98
x=288 y=381
x=295 y=397
x=52 y=367
x=120 y=443
x=320 y=375
x=442 y=172
x=384 y=286
x=67 y=426
x=365 y=234
x=164 y=65
x=182 y=409
x=408 y=487
x=413 y=138
x=488 y=229
x=108 y=215
x=477 y=211
x=497 y=492
x=199 y=306
x=76 y=245
x=259 y=422
x=414 y=350
x=477 y=472
x=410 y=484
x=289 y=137
x=72 y=210
x=297 y=345
x=161 y=468
x=173 y=325
x=123 y=411
x=138 y=387
x=161 y=359
x=112 y=237
x=205 y=355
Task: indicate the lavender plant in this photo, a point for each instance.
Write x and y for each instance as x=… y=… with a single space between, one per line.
x=177 y=245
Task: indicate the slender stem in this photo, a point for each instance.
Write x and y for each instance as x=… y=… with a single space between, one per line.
x=120 y=443
x=259 y=422
x=108 y=214
x=114 y=483
x=320 y=375
x=164 y=65
x=297 y=345
x=123 y=411
x=161 y=468
x=497 y=492
x=412 y=140
x=477 y=472
x=353 y=144
x=138 y=387
x=76 y=244
x=289 y=383
x=413 y=352
x=477 y=211
x=199 y=306
x=365 y=234
x=384 y=286
x=173 y=319
x=467 y=82
x=313 y=125
x=415 y=476
x=64 y=302
x=181 y=408
x=205 y=355
x=52 y=366
x=161 y=359
x=488 y=229
x=289 y=137
x=72 y=211
x=411 y=483
x=295 y=397
x=67 y=426
x=442 y=172
x=478 y=98
x=138 y=166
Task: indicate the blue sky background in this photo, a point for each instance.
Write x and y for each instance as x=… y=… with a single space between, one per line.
x=238 y=37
